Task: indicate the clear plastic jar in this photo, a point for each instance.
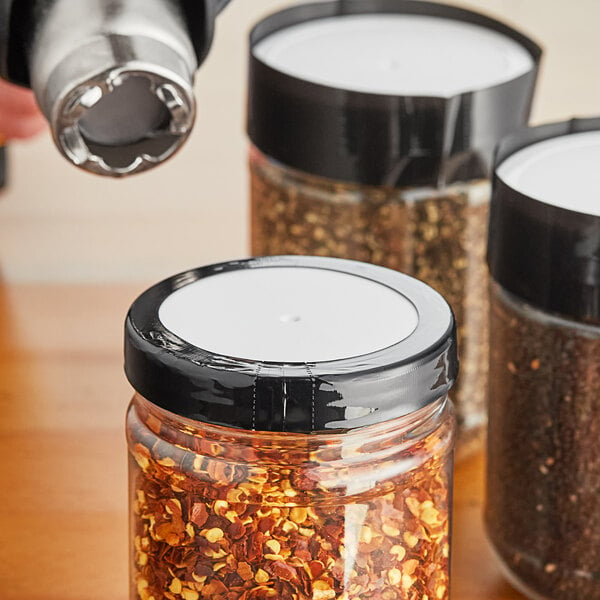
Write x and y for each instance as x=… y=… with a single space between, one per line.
x=543 y=508
x=437 y=236
x=351 y=158
x=279 y=515
x=321 y=480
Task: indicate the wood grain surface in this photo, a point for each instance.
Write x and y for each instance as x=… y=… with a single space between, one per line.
x=63 y=499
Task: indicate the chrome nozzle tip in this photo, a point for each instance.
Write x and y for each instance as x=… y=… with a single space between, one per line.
x=124 y=121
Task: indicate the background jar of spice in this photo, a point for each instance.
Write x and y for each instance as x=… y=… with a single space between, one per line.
x=543 y=501
x=286 y=444
x=372 y=127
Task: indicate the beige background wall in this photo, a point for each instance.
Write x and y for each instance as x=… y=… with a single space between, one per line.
x=59 y=224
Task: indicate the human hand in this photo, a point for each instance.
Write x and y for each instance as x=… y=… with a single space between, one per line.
x=19 y=115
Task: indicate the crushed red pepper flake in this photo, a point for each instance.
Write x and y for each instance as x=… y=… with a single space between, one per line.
x=207 y=527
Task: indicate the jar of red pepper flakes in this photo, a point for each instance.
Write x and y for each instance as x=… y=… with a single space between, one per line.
x=373 y=125
x=291 y=435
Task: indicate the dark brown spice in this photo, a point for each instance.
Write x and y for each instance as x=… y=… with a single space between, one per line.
x=543 y=490
x=436 y=236
x=216 y=520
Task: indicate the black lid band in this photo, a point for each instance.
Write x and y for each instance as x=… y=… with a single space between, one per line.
x=299 y=397
x=379 y=139
x=546 y=255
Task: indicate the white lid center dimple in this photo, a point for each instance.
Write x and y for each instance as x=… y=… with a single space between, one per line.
x=562 y=171
x=289 y=315
x=407 y=55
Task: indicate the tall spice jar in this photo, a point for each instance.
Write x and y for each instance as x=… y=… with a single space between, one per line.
x=291 y=435
x=373 y=124
x=543 y=485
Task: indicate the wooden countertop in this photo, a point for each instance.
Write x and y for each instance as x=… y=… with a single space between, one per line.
x=63 y=498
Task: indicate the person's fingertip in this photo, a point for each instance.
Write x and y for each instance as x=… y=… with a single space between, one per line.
x=22 y=128
x=17 y=100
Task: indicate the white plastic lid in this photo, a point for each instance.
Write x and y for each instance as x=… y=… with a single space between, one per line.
x=289 y=314
x=562 y=171
x=406 y=55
